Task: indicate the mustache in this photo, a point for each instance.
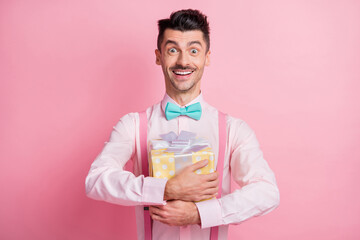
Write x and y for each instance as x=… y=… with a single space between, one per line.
x=179 y=67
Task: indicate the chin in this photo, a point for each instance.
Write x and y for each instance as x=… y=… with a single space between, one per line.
x=185 y=88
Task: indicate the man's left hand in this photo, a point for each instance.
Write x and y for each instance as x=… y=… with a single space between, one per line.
x=176 y=213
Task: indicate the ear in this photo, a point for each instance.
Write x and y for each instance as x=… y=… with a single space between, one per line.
x=158 y=55
x=207 y=58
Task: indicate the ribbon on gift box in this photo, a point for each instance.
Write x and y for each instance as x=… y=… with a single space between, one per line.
x=172 y=153
x=183 y=143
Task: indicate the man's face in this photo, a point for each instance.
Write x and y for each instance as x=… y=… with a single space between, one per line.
x=183 y=57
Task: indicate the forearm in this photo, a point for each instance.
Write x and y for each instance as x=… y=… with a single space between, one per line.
x=254 y=199
x=108 y=181
x=122 y=187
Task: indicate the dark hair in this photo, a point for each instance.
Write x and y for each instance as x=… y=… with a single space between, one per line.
x=185 y=20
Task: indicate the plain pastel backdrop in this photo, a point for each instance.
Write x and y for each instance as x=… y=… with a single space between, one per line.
x=70 y=69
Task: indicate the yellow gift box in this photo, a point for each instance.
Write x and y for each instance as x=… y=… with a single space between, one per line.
x=166 y=163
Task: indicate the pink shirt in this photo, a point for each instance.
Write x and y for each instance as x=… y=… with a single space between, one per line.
x=258 y=194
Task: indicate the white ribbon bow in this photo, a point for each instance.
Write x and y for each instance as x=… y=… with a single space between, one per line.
x=184 y=143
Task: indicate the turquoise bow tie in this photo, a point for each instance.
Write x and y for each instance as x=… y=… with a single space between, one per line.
x=173 y=111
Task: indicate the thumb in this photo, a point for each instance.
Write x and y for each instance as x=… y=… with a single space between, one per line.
x=198 y=165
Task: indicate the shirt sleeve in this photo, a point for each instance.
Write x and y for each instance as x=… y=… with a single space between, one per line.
x=258 y=193
x=108 y=181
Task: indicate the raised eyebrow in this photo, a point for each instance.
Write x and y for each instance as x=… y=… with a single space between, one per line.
x=194 y=42
x=176 y=44
x=171 y=42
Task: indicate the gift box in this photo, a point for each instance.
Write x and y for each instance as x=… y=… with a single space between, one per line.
x=172 y=153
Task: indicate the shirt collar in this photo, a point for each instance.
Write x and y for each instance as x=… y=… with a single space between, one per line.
x=167 y=99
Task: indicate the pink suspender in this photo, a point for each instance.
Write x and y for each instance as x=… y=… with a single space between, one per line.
x=214 y=232
x=145 y=170
x=145 y=167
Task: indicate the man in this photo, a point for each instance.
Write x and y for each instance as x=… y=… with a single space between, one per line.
x=183 y=51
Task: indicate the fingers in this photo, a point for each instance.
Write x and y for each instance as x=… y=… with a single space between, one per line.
x=156 y=217
x=211 y=191
x=208 y=194
x=201 y=164
x=209 y=184
x=211 y=176
x=189 y=186
x=208 y=191
x=156 y=213
x=198 y=165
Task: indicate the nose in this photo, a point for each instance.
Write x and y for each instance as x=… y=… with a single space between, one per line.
x=183 y=59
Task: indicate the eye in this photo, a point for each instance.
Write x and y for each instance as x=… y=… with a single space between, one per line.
x=172 y=50
x=194 y=51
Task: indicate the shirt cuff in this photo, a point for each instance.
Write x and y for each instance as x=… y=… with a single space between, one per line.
x=210 y=213
x=153 y=191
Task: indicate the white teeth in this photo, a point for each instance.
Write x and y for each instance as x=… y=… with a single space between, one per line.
x=182 y=73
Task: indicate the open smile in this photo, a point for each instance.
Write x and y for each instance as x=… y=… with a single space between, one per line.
x=182 y=74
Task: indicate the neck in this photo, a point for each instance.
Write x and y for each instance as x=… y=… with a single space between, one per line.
x=183 y=98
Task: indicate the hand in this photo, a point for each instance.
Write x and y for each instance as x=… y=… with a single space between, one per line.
x=189 y=186
x=176 y=213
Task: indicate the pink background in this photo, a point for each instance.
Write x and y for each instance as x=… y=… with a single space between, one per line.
x=70 y=69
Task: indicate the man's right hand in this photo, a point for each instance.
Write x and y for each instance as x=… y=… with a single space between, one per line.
x=189 y=186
